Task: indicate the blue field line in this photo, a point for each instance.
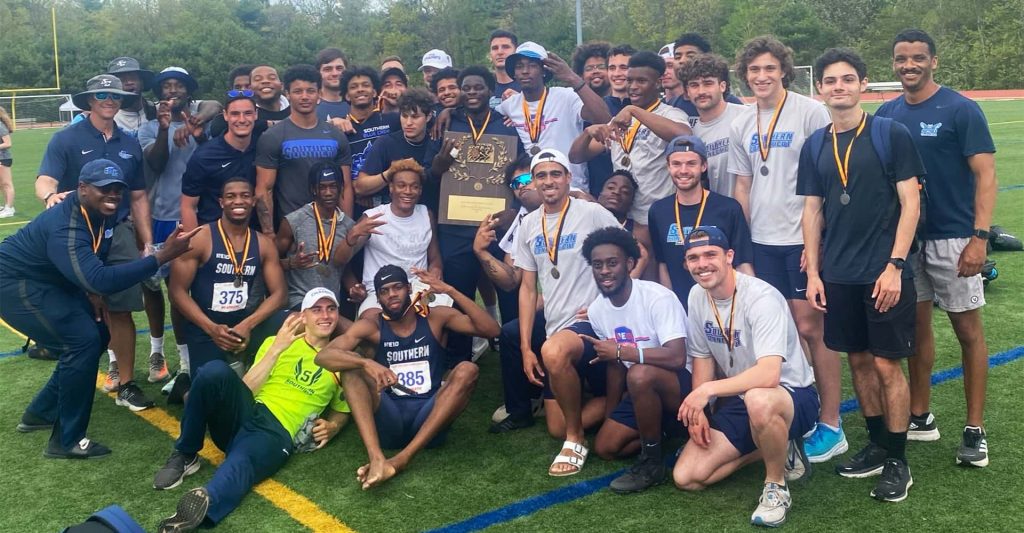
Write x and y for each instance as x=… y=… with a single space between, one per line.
x=12 y=353
x=582 y=489
x=1011 y=187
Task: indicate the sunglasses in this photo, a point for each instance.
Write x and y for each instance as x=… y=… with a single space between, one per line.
x=105 y=95
x=521 y=180
x=244 y=93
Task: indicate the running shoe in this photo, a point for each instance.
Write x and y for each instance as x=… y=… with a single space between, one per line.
x=923 y=428
x=895 y=482
x=771 y=508
x=825 y=443
x=973 y=449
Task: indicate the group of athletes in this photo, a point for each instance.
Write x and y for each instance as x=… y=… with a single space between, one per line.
x=674 y=263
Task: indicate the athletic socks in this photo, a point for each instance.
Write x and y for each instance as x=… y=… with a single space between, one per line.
x=111 y=356
x=156 y=345
x=183 y=358
x=651 y=450
x=877 y=432
x=897 y=446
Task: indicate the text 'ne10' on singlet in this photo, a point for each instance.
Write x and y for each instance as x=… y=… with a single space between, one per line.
x=215 y=287
x=418 y=359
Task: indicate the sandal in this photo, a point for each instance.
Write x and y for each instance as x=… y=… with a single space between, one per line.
x=576 y=460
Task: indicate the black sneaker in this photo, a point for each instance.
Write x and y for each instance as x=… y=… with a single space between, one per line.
x=191 y=511
x=510 y=423
x=895 y=482
x=182 y=384
x=178 y=466
x=85 y=449
x=131 y=396
x=42 y=354
x=865 y=463
x=973 y=449
x=30 y=422
x=643 y=475
x=798 y=467
x=923 y=428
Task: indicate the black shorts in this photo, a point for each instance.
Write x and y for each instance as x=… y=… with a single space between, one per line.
x=594 y=376
x=731 y=417
x=852 y=324
x=6 y=162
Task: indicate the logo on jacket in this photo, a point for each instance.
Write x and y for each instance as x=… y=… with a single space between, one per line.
x=930 y=130
x=124 y=154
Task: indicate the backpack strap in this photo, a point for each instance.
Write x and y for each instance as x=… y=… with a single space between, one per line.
x=817 y=143
x=881 y=139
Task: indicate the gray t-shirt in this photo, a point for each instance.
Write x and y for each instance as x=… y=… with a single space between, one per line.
x=304 y=229
x=166 y=191
x=763 y=327
x=5 y=153
x=574 y=288
x=293 y=151
x=775 y=208
x=715 y=135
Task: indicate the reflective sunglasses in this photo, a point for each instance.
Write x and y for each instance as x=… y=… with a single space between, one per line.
x=521 y=181
x=105 y=95
x=244 y=93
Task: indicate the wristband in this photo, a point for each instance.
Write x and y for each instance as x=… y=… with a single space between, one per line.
x=47 y=197
x=618 y=353
x=581 y=85
x=641 y=351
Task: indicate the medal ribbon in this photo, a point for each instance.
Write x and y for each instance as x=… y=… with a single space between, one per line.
x=533 y=126
x=478 y=134
x=235 y=263
x=418 y=305
x=627 y=141
x=844 y=166
x=325 y=243
x=761 y=142
x=729 y=333
x=700 y=214
x=354 y=120
x=552 y=248
x=96 y=238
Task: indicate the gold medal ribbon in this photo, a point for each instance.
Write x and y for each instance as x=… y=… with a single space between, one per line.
x=700 y=214
x=727 y=333
x=552 y=246
x=764 y=144
x=627 y=141
x=843 y=166
x=480 y=133
x=96 y=238
x=325 y=241
x=533 y=125
x=237 y=264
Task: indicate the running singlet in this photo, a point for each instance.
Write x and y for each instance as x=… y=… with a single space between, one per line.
x=213 y=288
x=418 y=360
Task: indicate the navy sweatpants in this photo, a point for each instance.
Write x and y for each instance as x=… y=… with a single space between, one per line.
x=255 y=444
x=61 y=320
x=517 y=389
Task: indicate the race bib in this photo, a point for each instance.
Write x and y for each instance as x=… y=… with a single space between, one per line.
x=227 y=298
x=414 y=375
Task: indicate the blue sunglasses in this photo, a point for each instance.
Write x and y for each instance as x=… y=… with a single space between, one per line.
x=236 y=93
x=105 y=95
x=521 y=180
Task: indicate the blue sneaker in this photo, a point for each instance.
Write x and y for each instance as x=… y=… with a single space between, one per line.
x=825 y=443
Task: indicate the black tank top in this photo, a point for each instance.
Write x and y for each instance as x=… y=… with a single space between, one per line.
x=418 y=359
x=219 y=273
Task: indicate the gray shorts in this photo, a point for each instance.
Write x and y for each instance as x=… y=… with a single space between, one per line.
x=124 y=250
x=935 y=277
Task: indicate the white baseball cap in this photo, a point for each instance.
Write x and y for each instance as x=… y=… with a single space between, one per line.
x=668 y=51
x=438 y=59
x=530 y=50
x=549 y=155
x=315 y=295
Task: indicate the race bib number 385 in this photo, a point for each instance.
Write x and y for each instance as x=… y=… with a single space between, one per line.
x=415 y=375
x=227 y=298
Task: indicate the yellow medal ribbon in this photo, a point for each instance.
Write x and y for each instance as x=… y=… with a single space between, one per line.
x=325 y=242
x=764 y=144
x=627 y=141
x=843 y=166
x=478 y=134
x=552 y=246
x=236 y=264
x=727 y=333
x=96 y=238
x=533 y=125
x=700 y=215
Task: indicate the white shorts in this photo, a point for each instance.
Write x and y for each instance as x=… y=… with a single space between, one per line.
x=935 y=277
x=417 y=286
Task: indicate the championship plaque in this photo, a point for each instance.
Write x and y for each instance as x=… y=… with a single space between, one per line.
x=474 y=186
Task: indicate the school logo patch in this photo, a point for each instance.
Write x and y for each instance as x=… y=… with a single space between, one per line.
x=307 y=376
x=930 y=130
x=124 y=154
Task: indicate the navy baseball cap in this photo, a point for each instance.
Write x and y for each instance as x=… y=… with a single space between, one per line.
x=101 y=172
x=389 y=274
x=687 y=143
x=706 y=236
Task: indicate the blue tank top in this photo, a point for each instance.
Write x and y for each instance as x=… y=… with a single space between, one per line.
x=213 y=286
x=418 y=360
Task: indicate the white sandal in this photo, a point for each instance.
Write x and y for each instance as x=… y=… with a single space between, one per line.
x=577 y=460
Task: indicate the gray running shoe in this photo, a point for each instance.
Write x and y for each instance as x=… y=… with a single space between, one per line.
x=923 y=428
x=131 y=396
x=798 y=467
x=192 y=508
x=973 y=449
x=771 y=508
x=157 y=368
x=644 y=474
x=113 y=380
x=178 y=466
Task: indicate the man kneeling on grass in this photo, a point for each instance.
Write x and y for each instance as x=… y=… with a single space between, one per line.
x=741 y=326
x=398 y=398
x=284 y=404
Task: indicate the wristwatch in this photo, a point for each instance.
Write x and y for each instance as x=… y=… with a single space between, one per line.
x=981 y=234
x=898 y=262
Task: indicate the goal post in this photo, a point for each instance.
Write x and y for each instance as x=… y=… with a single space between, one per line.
x=803 y=82
x=39 y=110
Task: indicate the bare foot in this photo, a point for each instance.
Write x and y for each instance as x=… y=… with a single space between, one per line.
x=377 y=472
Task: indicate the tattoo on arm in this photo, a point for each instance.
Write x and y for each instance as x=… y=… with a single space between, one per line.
x=263 y=212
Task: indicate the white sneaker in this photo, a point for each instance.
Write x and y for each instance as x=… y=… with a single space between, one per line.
x=537 y=405
x=6 y=211
x=480 y=346
x=771 y=508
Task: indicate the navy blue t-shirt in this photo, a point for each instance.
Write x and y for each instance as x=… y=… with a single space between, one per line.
x=500 y=88
x=361 y=141
x=325 y=110
x=615 y=104
x=719 y=211
x=859 y=236
x=391 y=148
x=209 y=167
x=947 y=129
x=72 y=147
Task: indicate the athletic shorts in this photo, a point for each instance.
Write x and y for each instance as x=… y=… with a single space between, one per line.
x=124 y=250
x=780 y=267
x=731 y=417
x=936 y=279
x=399 y=419
x=595 y=376
x=625 y=413
x=6 y=162
x=163 y=229
x=852 y=324
x=371 y=298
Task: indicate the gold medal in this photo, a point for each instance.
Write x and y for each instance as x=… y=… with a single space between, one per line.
x=237 y=264
x=238 y=281
x=627 y=141
x=624 y=161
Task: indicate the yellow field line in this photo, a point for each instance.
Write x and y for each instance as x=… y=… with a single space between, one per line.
x=300 y=508
x=8 y=326
x=19 y=223
x=1010 y=122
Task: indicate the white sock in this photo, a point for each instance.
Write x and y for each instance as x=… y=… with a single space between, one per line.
x=183 y=358
x=110 y=354
x=493 y=311
x=156 y=345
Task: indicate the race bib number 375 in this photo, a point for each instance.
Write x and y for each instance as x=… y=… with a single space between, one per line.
x=227 y=298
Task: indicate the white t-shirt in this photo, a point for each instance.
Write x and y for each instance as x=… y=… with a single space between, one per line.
x=402 y=242
x=561 y=124
x=715 y=135
x=574 y=288
x=508 y=241
x=647 y=163
x=775 y=208
x=763 y=327
x=650 y=317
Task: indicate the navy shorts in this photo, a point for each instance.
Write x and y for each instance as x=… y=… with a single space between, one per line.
x=852 y=323
x=780 y=267
x=625 y=413
x=731 y=417
x=399 y=419
x=595 y=376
